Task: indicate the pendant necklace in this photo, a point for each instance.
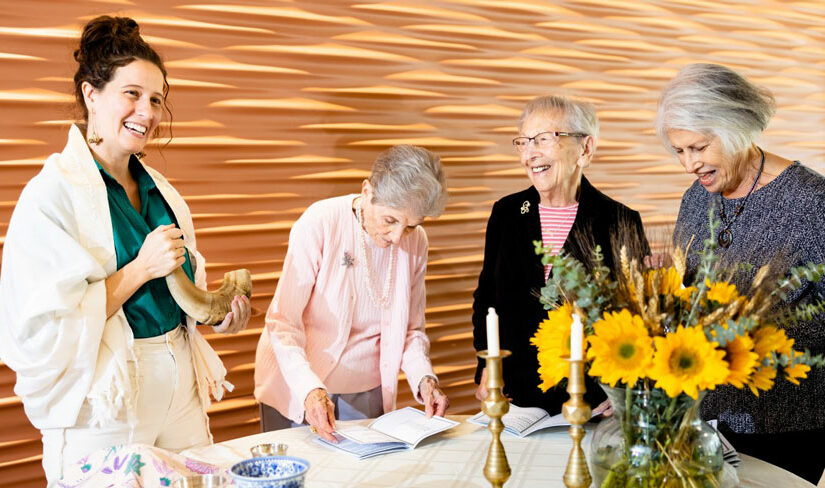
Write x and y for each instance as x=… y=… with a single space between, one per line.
x=383 y=300
x=726 y=236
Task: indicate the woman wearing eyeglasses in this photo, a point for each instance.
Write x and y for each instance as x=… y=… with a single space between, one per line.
x=557 y=138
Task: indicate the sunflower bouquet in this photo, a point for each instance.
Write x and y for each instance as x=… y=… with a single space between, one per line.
x=657 y=346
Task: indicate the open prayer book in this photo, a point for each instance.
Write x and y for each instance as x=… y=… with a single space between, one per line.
x=398 y=430
x=523 y=421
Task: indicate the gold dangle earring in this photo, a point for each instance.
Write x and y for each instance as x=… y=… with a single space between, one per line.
x=94 y=138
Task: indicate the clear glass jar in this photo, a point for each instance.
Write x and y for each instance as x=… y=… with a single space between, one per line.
x=653 y=440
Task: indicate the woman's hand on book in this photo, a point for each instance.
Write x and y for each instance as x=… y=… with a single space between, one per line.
x=604 y=408
x=319 y=413
x=435 y=401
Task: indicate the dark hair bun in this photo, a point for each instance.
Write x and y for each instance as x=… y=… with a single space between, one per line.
x=107 y=43
x=105 y=37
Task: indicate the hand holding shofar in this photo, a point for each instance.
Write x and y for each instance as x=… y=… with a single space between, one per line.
x=207 y=307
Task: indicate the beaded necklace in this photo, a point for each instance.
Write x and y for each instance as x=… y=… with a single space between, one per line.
x=383 y=300
x=726 y=236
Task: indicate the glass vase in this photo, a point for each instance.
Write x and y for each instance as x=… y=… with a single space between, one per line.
x=653 y=440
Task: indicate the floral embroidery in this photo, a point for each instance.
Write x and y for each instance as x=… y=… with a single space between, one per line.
x=134 y=465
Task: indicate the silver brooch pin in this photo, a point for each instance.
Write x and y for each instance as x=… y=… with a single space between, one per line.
x=347 y=260
x=525 y=207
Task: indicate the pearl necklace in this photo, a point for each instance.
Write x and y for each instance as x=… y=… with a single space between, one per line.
x=369 y=280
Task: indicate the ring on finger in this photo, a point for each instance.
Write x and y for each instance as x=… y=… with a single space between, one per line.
x=313 y=430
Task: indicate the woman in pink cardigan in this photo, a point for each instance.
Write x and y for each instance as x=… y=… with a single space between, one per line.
x=348 y=313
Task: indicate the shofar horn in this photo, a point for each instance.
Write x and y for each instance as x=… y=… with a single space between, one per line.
x=208 y=307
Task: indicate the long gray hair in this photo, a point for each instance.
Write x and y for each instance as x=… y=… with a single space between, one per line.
x=715 y=101
x=409 y=177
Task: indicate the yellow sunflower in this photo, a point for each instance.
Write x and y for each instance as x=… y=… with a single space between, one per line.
x=685 y=361
x=670 y=284
x=685 y=293
x=741 y=360
x=797 y=371
x=553 y=342
x=721 y=292
x=620 y=348
x=762 y=379
x=769 y=339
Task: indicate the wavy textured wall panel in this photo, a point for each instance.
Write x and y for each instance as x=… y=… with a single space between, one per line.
x=277 y=104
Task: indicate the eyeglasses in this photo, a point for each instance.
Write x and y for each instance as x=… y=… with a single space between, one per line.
x=544 y=139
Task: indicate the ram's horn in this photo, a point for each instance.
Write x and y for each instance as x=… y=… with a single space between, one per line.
x=208 y=307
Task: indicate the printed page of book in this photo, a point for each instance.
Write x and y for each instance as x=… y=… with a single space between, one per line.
x=517 y=421
x=547 y=422
x=411 y=425
x=363 y=434
x=362 y=451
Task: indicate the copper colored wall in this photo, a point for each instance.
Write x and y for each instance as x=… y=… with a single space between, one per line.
x=278 y=104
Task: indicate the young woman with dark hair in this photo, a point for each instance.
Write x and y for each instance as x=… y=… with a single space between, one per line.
x=103 y=353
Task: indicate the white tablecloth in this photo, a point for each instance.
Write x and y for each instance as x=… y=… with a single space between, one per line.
x=453 y=459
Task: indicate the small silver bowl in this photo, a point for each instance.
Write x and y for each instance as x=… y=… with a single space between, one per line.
x=201 y=481
x=272 y=449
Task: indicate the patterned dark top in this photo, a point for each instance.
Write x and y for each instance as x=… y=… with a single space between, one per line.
x=786 y=219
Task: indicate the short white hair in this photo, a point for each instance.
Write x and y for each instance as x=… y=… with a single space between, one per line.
x=580 y=116
x=715 y=101
x=409 y=177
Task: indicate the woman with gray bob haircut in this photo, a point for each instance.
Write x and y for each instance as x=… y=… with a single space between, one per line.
x=348 y=312
x=710 y=116
x=409 y=177
x=715 y=100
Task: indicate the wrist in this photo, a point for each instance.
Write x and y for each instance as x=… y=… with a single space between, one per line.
x=428 y=382
x=137 y=272
x=315 y=394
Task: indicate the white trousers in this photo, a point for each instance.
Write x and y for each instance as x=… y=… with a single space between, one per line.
x=169 y=413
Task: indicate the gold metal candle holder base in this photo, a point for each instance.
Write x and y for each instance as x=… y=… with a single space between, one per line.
x=496 y=469
x=577 y=412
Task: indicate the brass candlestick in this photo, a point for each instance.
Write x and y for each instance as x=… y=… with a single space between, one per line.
x=577 y=412
x=496 y=469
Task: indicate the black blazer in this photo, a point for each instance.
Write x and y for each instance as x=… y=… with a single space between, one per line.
x=512 y=275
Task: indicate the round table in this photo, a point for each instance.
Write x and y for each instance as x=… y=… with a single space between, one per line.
x=452 y=459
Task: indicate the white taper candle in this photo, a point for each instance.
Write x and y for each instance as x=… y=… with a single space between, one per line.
x=492 y=332
x=576 y=337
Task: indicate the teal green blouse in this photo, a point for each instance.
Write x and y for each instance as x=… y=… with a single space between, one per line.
x=151 y=310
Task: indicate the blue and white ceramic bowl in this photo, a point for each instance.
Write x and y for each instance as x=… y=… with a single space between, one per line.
x=270 y=472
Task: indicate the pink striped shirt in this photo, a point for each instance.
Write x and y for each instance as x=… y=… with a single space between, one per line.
x=556 y=223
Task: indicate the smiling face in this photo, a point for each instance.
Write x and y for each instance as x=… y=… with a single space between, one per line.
x=385 y=225
x=703 y=157
x=555 y=170
x=126 y=111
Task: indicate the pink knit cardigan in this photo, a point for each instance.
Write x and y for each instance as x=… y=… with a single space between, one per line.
x=308 y=322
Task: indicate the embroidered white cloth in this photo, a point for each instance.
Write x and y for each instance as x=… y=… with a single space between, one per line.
x=133 y=465
x=54 y=333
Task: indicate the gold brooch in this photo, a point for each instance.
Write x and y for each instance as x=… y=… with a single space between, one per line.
x=525 y=207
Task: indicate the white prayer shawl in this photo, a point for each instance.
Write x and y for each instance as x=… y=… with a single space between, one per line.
x=59 y=249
